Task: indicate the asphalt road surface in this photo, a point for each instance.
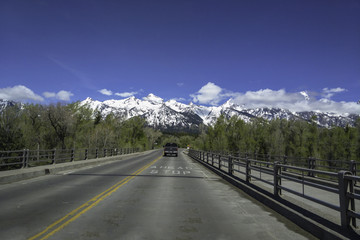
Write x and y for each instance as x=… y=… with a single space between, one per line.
x=142 y=197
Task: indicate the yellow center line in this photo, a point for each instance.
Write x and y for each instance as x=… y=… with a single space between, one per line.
x=73 y=215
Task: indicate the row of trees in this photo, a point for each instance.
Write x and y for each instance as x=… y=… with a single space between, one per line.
x=282 y=137
x=70 y=126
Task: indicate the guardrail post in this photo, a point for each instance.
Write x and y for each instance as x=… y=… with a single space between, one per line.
x=277 y=179
x=86 y=154
x=285 y=162
x=72 y=155
x=96 y=153
x=311 y=166
x=248 y=169
x=352 y=167
x=25 y=161
x=53 y=156
x=104 y=152
x=212 y=159
x=219 y=161
x=345 y=186
x=230 y=163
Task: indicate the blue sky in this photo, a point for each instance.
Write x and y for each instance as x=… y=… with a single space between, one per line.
x=257 y=52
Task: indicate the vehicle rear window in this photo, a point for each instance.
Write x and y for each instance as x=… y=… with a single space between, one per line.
x=171 y=145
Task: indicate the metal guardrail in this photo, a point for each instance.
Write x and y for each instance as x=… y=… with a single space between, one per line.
x=30 y=158
x=342 y=182
x=309 y=162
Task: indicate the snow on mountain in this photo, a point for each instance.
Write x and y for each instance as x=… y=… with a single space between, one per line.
x=173 y=115
x=306 y=95
x=8 y=103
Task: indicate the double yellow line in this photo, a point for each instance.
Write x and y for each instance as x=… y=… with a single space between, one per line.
x=73 y=215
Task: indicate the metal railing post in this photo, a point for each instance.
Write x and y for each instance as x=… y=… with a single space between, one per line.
x=345 y=186
x=311 y=166
x=219 y=161
x=72 y=155
x=104 y=152
x=230 y=163
x=248 y=170
x=25 y=161
x=285 y=162
x=277 y=179
x=53 y=157
x=96 y=153
x=212 y=159
x=86 y=154
x=352 y=167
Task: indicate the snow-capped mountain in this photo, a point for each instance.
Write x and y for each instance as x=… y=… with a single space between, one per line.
x=7 y=103
x=173 y=115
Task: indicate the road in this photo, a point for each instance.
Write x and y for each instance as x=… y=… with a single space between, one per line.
x=142 y=197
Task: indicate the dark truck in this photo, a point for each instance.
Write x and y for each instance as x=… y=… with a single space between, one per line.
x=171 y=149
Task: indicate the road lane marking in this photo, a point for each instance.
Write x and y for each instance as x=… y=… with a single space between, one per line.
x=76 y=213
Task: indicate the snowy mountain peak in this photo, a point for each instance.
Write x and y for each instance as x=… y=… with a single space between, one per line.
x=153 y=99
x=173 y=115
x=306 y=95
x=229 y=103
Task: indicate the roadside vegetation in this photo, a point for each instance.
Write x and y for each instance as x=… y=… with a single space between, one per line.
x=74 y=127
x=71 y=127
x=281 y=138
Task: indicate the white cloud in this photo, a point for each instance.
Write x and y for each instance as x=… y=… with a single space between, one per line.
x=293 y=101
x=64 y=95
x=61 y=95
x=208 y=94
x=328 y=93
x=49 y=94
x=180 y=99
x=19 y=93
x=266 y=97
x=106 y=92
x=126 y=94
x=180 y=84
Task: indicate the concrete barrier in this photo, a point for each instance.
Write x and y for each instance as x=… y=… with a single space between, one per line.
x=33 y=172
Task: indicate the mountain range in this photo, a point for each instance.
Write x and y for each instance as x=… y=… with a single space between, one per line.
x=175 y=116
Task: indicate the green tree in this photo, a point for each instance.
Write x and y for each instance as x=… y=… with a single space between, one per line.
x=11 y=137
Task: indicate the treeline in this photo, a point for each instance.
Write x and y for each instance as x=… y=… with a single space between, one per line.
x=71 y=126
x=282 y=137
